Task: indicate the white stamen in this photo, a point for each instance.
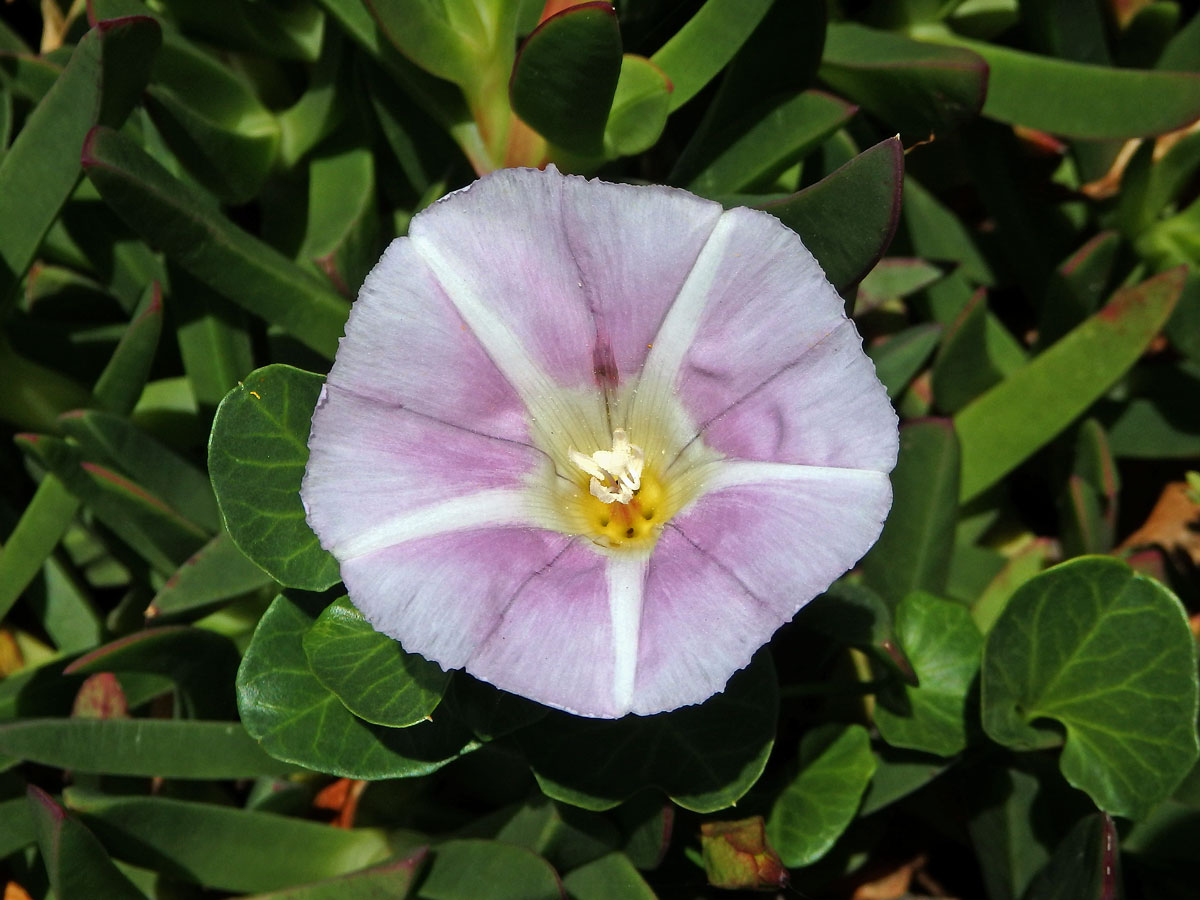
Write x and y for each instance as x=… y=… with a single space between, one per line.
x=616 y=473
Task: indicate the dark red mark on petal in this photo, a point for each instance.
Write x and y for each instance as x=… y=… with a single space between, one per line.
x=604 y=363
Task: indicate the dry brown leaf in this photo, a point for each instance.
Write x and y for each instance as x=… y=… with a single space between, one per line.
x=341 y=798
x=1173 y=524
x=13 y=891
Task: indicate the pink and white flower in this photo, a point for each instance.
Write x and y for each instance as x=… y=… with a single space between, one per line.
x=594 y=443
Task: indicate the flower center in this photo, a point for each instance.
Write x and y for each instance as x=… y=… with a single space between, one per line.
x=626 y=503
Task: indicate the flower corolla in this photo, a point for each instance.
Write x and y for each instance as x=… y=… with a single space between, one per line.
x=594 y=443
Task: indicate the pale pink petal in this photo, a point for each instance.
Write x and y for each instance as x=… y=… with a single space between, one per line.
x=740 y=563
x=407 y=346
x=764 y=359
x=371 y=463
x=572 y=269
x=525 y=610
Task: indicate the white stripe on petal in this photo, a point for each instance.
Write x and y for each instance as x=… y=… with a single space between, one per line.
x=482 y=509
x=626 y=589
x=728 y=473
x=537 y=390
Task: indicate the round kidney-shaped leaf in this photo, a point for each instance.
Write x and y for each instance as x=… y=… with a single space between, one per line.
x=1106 y=652
x=256 y=459
x=370 y=672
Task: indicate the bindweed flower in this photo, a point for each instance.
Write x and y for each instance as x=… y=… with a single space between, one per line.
x=595 y=443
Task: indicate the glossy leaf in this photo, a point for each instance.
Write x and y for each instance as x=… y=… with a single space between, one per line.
x=917 y=87
x=866 y=191
x=77 y=864
x=225 y=847
x=611 y=877
x=899 y=358
x=1063 y=649
x=155 y=531
x=1085 y=865
x=370 y=672
x=469 y=869
x=120 y=384
x=114 y=441
x=915 y=548
x=256 y=459
x=639 y=107
x=704 y=757
x=898 y=774
x=392 y=879
x=781 y=138
x=1000 y=428
x=144 y=747
x=185 y=225
x=706 y=44
x=223 y=135
x=34 y=538
x=1084 y=101
x=944 y=645
x=422 y=33
x=299 y=720
x=200 y=663
x=342 y=239
x=566 y=75
x=217 y=571
x=107 y=72
x=976 y=353
x=818 y=804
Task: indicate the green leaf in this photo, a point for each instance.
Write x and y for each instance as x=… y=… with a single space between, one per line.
x=704 y=757
x=899 y=774
x=1077 y=287
x=143 y=747
x=256 y=459
x=392 y=879
x=706 y=44
x=470 y=869
x=216 y=572
x=1085 y=865
x=222 y=135
x=199 y=662
x=34 y=538
x=121 y=383
x=752 y=156
x=1023 y=565
x=566 y=75
x=224 y=847
x=78 y=867
x=370 y=672
x=1158 y=422
x=944 y=645
x=639 y=108
x=817 y=805
x=899 y=358
x=185 y=225
x=420 y=30
x=894 y=278
x=297 y=719
x=977 y=352
x=101 y=83
x=16 y=826
x=847 y=219
x=610 y=877
x=919 y=88
x=567 y=837
x=1001 y=428
x=214 y=341
x=151 y=528
x=115 y=441
x=916 y=546
x=1064 y=649
x=342 y=239
x=1084 y=101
